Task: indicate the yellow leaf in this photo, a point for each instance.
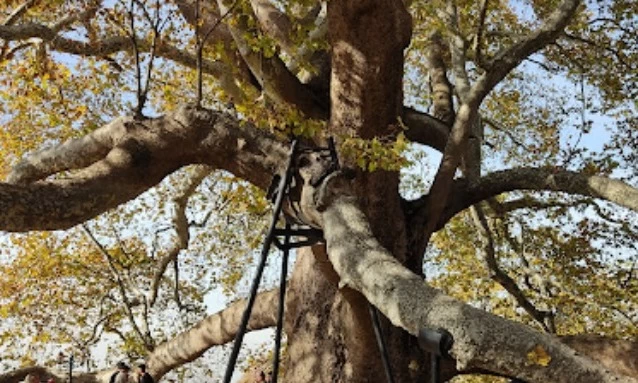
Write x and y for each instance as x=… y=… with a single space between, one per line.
x=539 y=356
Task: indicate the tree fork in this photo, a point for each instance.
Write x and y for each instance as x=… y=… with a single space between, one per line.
x=367 y=40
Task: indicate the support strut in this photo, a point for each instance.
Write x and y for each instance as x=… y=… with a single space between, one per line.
x=311 y=236
x=239 y=337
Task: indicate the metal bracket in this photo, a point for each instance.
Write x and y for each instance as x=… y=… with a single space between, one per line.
x=437 y=343
x=312 y=237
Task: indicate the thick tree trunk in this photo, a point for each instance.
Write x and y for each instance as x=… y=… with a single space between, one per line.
x=330 y=335
x=322 y=324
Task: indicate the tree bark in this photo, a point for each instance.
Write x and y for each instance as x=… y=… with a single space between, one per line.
x=214 y=330
x=126 y=158
x=367 y=40
x=481 y=340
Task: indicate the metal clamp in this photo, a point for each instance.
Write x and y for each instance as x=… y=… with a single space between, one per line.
x=437 y=343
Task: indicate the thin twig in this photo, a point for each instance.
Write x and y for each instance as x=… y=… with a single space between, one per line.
x=544 y=318
x=120 y=283
x=497 y=126
x=479 y=33
x=18 y=12
x=201 y=41
x=138 y=70
x=596 y=45
x=543 y=65
x=8 y=55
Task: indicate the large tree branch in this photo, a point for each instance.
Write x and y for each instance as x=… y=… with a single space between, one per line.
x=471 y=99
x=208 y=23
x=478 y=37
x=528 y=202
x=463 y=196
x=104 y=46
x=506 y=60
x=109 y=45
x=457 y=51
x=214 y=330
x=499 y=67
x=272 y=74
x=442 y=104
x=616 y=354
x=472 y=136
x=278 y=25
x=181 y=226
x=141 y=156
x=425 y=129
x=454 y=150
x=274 y=23
x=481 y=340
x=217 y=329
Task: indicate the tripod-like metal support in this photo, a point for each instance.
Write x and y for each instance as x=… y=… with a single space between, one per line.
x=311 y=236
x=270 y=237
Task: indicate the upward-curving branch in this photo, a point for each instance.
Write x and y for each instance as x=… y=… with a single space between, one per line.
x=124 y=159
x=536 y=179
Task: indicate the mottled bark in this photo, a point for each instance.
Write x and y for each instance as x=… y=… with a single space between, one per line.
x=275 y=24
x=214 y=330
x=481 y=340
x=367 y=41
x=328 y=327
x=615 y=354
x=463 y=195
x=220 y=141
x=440 y=87
x=182 y=230
x=127 y=158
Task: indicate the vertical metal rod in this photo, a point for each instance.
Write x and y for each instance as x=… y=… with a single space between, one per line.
x=378 y=332
x=435 y=367
x=282 y=301
x=71 y=369
x=239 y=337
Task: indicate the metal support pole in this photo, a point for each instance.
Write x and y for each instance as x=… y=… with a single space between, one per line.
x=378 y=332
x=435 y=368
x=71 y=368
x=239 y=337
x=282 y=301
x=437 y=343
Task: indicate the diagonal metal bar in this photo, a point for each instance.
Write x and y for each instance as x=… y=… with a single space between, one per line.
x=283 y=184
x=383 y=350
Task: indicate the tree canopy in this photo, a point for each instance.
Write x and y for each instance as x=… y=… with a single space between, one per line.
x=494 y=148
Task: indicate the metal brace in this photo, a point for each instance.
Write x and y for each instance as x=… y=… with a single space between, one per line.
x=277 y=192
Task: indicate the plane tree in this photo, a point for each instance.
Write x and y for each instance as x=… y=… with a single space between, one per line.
x=520 y=217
